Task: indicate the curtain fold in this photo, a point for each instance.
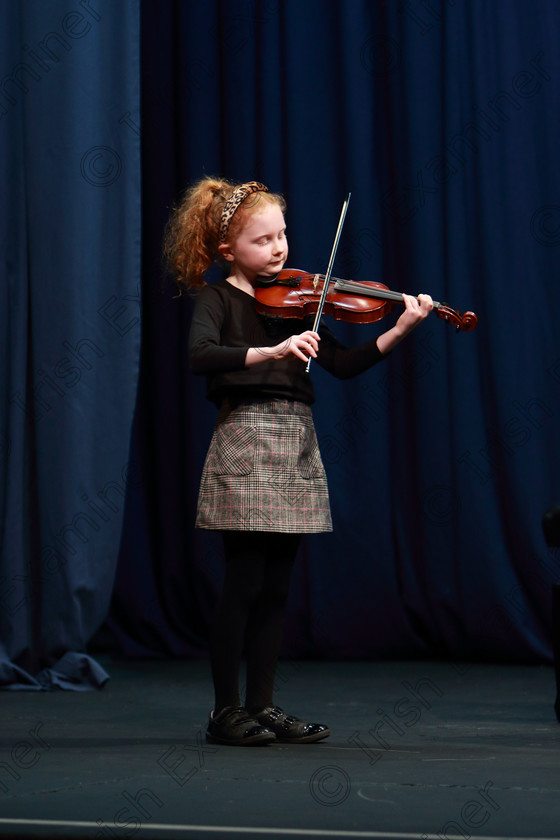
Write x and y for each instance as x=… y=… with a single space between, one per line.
x=70 y=197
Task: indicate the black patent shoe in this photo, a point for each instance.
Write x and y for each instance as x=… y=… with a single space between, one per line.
x=235 y=727
x=290 y=729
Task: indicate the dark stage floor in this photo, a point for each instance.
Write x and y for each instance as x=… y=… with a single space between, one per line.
x=418 y=750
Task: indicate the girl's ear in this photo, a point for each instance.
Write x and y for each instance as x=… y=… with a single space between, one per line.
x=225 y=251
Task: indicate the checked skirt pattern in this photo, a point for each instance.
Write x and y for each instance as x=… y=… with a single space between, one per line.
x=263 y=471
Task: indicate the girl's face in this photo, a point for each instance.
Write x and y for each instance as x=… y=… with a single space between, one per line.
x=261 y=247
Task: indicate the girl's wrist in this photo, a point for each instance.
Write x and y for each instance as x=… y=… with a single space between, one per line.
x=388 y=340
x=256 y=355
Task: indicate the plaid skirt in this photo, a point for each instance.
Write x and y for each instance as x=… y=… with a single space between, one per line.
x=263 y=471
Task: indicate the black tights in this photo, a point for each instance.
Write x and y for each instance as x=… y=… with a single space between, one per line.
x=250 y=615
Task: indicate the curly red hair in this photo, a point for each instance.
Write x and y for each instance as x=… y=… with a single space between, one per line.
x=191 y=237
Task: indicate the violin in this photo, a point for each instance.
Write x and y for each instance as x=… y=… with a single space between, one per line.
x=296 y=294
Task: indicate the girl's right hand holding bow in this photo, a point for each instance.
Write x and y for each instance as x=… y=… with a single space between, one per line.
x=301 y=346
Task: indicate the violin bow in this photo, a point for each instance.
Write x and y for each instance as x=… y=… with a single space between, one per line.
x=321 y=305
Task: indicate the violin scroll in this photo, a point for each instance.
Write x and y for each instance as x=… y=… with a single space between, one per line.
x=466 y=321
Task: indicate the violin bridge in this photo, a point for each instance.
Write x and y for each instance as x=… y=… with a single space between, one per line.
x=315 y=282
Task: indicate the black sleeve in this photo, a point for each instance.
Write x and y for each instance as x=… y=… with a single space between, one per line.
x=206 y=354
x=346 y=362
x=222 y=320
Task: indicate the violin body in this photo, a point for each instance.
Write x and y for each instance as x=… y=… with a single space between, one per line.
x=298 y=294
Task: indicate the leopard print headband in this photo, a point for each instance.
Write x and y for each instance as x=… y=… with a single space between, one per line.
x=237 y=197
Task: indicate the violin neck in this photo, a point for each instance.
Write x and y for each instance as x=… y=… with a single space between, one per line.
x=350 y=287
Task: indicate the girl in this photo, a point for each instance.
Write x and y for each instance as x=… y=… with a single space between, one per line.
x=263 y=484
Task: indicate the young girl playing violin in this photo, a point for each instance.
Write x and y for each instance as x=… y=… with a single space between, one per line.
x=263 y=483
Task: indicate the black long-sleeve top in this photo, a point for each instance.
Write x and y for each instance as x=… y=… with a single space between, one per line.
x=226 y=323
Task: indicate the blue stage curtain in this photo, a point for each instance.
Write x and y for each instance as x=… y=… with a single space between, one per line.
x=441 y=120
x=70 y=326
